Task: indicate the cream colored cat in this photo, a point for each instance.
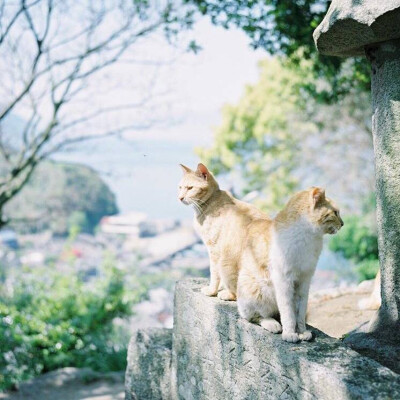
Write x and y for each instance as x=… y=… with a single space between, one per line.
x=279 y=260
x=221 y=221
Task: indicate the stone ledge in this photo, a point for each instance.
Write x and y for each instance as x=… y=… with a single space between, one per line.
x=148 y=372
x=218 y=355
x=351 y=25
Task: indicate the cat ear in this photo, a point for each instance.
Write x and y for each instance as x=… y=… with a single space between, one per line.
x=202 y=171
x=186 y=170
x=317 y=195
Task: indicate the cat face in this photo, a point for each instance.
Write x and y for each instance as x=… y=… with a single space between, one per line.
x=323 y=212
x=196 y=187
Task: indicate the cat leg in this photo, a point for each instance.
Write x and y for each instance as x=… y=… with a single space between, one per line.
x=229 y=272
x=215 y=280
x=267 y=308
x=284 y=290
x=226 y=295
x=301 y=299
x=247 y=309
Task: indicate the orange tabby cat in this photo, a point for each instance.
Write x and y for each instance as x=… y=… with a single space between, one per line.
x=221 y=221
x=279 y=260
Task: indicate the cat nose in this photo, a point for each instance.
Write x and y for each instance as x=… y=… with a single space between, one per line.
x=181 y=198
x=341 y=223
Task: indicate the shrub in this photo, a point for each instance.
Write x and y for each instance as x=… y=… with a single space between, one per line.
x=52 y=320
x=367 y=269
x=357 y=240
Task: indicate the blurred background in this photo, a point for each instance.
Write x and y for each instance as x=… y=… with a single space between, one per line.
x=99 y=103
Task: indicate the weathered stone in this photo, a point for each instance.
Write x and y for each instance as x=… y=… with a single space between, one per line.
x=382 y=349
x=148 y=371
x=350 y=25
x=218 y=355
x=372 y=27
x=380 y=339
x=385 y=62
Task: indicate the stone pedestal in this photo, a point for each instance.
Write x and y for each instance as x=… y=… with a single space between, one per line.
x=372 y=28
x=148 y=371
x=218 y=355
x=385 y=63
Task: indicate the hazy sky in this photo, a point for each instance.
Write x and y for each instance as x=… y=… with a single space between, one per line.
x=145 y=173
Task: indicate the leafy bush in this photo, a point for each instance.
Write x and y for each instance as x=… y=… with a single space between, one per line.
x=367 y=269
x=357 y=240
x=52 y=320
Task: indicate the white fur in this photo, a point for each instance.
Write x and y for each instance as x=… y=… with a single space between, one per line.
x=294 y=255
x=250 y=308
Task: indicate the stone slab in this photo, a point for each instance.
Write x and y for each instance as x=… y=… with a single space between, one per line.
x=218 y=355
x=350 y=25
x=148 y=371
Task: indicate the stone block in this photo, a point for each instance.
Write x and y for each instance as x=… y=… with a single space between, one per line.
x=218 y=355
x=350 y=25
x=148 y=371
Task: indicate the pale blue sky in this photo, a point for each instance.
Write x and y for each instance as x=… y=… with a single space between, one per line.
x=145 y=172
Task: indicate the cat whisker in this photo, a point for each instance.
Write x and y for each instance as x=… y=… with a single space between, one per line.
x=197 y=206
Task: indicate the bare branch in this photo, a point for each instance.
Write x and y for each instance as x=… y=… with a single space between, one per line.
x=14 y=18
x=56 y=55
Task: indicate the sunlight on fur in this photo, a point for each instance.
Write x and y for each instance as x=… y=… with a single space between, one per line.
x=222 y=222
x=266 y=264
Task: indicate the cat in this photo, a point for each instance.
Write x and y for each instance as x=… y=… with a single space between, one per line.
x=279 y=260
x=221 y=221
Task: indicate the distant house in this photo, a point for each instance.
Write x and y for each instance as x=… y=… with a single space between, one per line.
x=136 y=224
x=128 y=224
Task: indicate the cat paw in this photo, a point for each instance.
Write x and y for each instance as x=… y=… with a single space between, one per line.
x=271 y=325
x=291 y=337
x=226 y=295
x=306 y=335
x=208 y=291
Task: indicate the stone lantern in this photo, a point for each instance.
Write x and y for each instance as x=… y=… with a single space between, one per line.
x=371 y=28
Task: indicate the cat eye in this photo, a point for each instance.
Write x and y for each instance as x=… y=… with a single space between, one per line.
x=337 y=213
x=190 y=188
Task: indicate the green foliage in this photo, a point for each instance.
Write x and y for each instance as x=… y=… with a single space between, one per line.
x=258 y=140
x=284 y=27
x=52 y=320
x=77 y=223
x=60 y=197
x=367 y=269
x=277 y=137
x=358 y=241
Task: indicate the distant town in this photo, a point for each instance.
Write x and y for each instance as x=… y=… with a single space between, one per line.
x=132 y=240
x=149 y=246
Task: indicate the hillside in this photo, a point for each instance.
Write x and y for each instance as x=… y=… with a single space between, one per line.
x=59 y=196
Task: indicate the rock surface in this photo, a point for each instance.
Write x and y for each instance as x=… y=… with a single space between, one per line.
x=148 y=371
x=385 y=63
x=380 y=339
x=218 y=355
x=350 y=25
